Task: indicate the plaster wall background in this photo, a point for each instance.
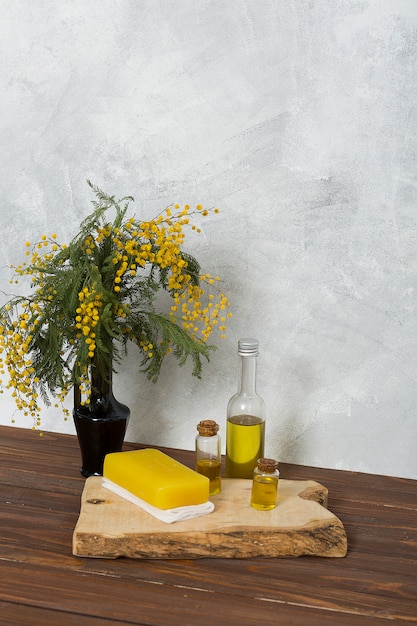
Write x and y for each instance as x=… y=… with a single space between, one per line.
x=298 y=119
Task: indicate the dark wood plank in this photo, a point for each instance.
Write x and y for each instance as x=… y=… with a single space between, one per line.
x=360 y=487
x=55 y=451
x=13 y=614
x=132 y=601
x=306 y=580
x=40 y=490
x=388 y=583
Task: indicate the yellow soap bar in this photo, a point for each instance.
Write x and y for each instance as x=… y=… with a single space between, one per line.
x=156 y=478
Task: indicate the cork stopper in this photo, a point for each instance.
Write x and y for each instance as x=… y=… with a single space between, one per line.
x=207 y=428
x=268 y=466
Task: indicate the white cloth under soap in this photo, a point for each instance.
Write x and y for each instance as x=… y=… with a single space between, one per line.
x=179 y=514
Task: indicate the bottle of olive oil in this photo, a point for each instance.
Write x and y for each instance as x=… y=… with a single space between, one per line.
x=208 y=454
x=245 y=426
x=265 y=485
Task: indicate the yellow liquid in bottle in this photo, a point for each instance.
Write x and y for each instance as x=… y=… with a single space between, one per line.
x=212 y=469
x=244 y=445
x=264 y=492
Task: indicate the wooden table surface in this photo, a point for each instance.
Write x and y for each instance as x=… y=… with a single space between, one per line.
x=41 y=582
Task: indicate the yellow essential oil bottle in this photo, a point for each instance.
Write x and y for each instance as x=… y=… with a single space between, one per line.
x=265 y=485
x=245 y=426
x=208 y=454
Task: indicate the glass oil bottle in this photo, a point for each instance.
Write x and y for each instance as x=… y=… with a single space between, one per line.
x=208 y=454
x=245 y=426
x=265 y=485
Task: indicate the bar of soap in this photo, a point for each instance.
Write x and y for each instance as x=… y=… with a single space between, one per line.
x=156 y=478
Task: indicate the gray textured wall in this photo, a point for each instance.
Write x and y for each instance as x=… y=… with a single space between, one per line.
x=297 y=118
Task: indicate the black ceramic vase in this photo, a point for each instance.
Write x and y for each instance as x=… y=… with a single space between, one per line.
x=100 y=426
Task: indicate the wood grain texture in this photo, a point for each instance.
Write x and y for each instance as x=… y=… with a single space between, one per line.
x=42 y=582
x=109 y=526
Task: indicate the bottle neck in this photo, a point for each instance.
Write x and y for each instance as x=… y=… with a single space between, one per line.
x=247 y=375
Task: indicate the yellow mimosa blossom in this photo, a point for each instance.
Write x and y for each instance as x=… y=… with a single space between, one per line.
x=99 y=292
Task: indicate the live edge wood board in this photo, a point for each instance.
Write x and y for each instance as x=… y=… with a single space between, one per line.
x=109 y=526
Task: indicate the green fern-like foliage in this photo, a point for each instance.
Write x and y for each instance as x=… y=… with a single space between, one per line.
x=92 y=298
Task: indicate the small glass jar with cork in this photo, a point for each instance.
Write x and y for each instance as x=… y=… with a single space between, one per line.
x=265 y=485
x=208 y=454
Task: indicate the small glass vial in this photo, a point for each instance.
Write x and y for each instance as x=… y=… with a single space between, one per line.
x=265 y=485
x=208 y=454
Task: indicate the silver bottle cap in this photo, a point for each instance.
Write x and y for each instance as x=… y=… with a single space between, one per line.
x=248 y=347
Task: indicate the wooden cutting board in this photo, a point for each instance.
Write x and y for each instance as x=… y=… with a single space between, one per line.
x=111 y=527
